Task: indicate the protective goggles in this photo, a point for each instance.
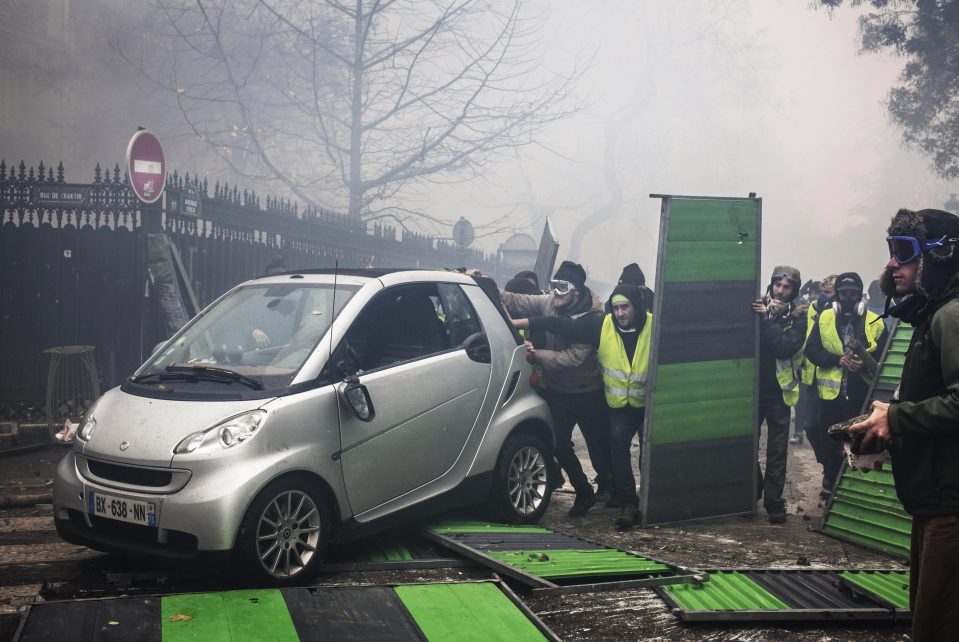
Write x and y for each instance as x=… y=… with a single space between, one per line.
x=906 y=249
x=560 y=287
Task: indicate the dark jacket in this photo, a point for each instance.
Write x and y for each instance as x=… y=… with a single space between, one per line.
x=568 y=366
x=780 y=337
x=925 y=420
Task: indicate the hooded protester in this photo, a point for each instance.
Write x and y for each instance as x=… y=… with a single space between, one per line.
x=782 y=330
x=807 y=410
x=633 y=274
x=921 y=425
x=622 y=340
x=840 y=380
x=570 y=379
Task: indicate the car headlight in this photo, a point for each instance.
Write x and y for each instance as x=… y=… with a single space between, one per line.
x=89 y=423
x=227 y=433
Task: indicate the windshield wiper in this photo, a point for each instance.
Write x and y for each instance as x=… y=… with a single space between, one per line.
x=216 y=374
x=181 y=373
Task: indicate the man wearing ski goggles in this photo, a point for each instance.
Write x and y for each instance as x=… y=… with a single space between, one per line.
x=906 y=249
x=559 y=287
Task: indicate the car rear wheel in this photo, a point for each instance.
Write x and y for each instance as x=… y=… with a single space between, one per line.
x=521 y=481
x=285 y=531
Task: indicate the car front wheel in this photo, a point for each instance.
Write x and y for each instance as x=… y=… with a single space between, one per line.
x=285 y=531
x=521 y=481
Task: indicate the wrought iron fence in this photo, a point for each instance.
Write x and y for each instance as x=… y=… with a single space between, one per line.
x=73 y=262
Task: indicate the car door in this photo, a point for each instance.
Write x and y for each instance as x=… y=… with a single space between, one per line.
x=425 y=389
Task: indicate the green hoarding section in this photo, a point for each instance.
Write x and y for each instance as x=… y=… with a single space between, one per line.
x=725 y=591
x=892 y=586
x=479 y=612
x=237 y=616
x=723 y=389
x=699 y=452
x=559 y=564
x=441 y=611
x=866 y=511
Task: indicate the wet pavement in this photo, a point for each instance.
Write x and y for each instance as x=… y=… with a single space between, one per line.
x=36 y=565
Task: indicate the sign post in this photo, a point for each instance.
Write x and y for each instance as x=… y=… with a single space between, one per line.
x=146 y=167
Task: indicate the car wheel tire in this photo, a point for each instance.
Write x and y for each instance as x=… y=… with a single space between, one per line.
x=284 y=533
x=521 y=488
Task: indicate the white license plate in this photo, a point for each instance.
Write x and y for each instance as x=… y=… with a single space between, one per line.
x=124 y=510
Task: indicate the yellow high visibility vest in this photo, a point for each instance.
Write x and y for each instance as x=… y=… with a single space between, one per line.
x=788 y=373
x=829 y=380
x=808 y=367
x=624 y=382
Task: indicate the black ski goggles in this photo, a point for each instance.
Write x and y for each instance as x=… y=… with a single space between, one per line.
x=906 y=249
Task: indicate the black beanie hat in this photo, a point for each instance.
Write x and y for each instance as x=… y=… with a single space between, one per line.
x=849 y=281
x=633 y=274
x=521 y=286
x=572 y=272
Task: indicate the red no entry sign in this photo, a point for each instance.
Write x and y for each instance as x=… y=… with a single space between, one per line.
x=146 y=167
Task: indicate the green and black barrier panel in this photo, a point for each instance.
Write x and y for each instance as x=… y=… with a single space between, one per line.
x=890 y=363
x=700 y=441
x=864 y=508
x=791 y=595
x=389 y=551
x=437 y=612
x=550 y=562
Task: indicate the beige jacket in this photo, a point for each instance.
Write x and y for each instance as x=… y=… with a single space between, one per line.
x=567 y=367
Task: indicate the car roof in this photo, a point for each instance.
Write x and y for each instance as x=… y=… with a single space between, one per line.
x=389 y=276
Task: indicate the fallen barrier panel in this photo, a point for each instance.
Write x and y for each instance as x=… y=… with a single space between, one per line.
x=699 y=442
x=864 y=508
x=551 y=562
x=790 y=595
x=442 y=611
x=390 y=551
x=890 y=586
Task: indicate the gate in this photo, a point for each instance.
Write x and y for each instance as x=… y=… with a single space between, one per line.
x=74 y=263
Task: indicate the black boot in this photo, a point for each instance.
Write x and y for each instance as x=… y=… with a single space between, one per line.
x=628 y=517
x=583 y=502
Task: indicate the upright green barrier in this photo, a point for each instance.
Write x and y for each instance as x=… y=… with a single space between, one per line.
x=699 y=455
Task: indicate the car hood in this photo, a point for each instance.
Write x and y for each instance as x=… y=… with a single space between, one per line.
x=144 y=431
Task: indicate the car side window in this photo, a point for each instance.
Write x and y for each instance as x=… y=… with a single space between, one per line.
x=400 y=324
x=461 y=317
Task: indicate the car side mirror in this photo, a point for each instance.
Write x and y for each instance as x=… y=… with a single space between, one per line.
x=157 y=347
x=359 y=399
x=477 y=347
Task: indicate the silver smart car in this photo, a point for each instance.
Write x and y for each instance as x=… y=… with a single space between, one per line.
x=307 y=407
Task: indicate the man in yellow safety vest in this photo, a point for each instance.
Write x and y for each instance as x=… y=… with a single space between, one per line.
x=840 y=381
x=782 y=330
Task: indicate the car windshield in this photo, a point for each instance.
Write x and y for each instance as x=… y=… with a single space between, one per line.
x=257 y=337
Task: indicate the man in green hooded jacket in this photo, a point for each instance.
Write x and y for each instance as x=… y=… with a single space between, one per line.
x=921 y=425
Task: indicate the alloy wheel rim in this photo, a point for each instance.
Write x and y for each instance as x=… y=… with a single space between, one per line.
x=526 y=481
x=288 y=533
